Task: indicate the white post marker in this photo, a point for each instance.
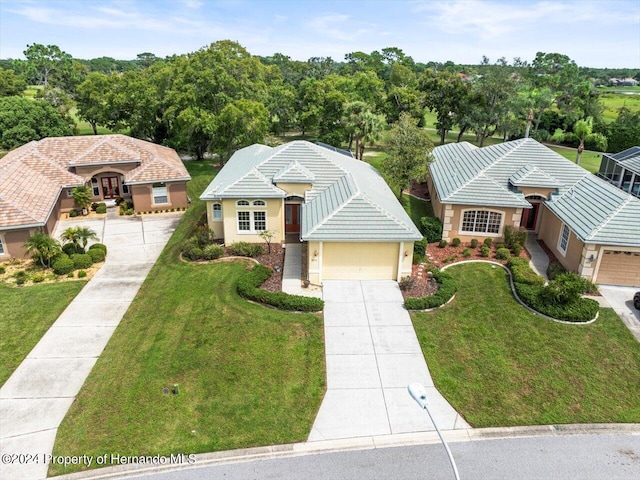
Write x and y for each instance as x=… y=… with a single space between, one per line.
x=419 y=394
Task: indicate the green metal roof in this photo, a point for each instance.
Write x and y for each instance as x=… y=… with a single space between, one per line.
x=532 y=176
x=349 y=200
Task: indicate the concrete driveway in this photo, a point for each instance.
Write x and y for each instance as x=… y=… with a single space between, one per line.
x=621 y=300
x=35 y=399
x=372 y=354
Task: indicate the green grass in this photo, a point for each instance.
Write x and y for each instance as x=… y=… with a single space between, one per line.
x=614 y=100
x=500 y=365
x=588 y=160
x=248 y=375
x=27 y=313
x=416 y=208
x=84 y=128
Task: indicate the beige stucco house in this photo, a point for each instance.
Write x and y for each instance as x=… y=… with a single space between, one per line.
x=36 y=181
x=590 y=225
x=350 y=223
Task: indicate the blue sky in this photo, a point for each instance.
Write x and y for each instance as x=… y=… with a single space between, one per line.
x=604 y=33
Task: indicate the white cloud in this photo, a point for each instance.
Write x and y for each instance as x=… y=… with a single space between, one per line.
x=193 y=4
x=335 y=26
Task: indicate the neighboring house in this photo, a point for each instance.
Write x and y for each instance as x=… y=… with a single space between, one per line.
x=622 y=170
x=624 y=82
x=591 y=226
x=352 y=225
x=36 y=181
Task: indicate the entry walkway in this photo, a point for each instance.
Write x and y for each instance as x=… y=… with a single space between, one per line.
x=539 y=260
x=292 y=273
x=35 y=399
x=372 y=354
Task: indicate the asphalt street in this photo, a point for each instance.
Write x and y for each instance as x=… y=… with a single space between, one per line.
x=566 y=457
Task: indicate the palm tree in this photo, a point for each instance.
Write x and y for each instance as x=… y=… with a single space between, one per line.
x=82 y=196
x=43 y=247
x=79 y=236
x=582 y=129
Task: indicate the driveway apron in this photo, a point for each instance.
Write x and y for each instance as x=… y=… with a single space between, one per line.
x=372 y=354
x=35 y=399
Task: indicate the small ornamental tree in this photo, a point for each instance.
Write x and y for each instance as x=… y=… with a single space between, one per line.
x=42 y=247
x=82 y=196
x=267 y=236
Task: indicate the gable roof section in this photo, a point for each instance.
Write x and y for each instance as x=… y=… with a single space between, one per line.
x=597 y=212
x=532 y=176
x=348 y=201
x=32 y=175
x=629 y=159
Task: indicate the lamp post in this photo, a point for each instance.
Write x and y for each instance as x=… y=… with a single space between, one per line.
x=419 y=394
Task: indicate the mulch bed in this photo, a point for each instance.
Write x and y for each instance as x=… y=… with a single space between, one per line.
x=422 y=285
x=419 y=190
x=440 y=257
x=273 y=260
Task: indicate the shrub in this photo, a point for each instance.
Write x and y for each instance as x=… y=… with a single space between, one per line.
x=455 y=242
x=212 y=252
x=474 y=243
x=70 y=249
x=554 y=269
x=420 y=248
x=406 y=283
x=516 y=249
x=498 y=245
x=82 y=274
x=81 y=260
x=192 y=252
x=70 y=274
x=488 y=242
x=485 y=251
x=37 y=277
x=503 y=254
x=73 y=213
x=63 y=266
x=446 y=289
x=514 y=236
x=129 y=211
x=452 y=258
x=442 y=244
x=2 y=270
x=102 y=208
x=100 y=246
x=248 y=288
x=97 y=255
x=431 y=228
x=94 y=205
x=560 y=299
x=466 y=253
x=20 y=276
x=119 y=200
x=203 y=235
x=246 y=249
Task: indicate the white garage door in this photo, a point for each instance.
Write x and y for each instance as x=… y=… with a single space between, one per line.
x=360 y=261
x=619 y=268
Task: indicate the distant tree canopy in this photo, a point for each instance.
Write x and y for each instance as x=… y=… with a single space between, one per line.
x=23 y=120
x=221 y=98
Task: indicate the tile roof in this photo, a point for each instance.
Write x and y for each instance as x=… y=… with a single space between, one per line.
x=594 y=210
x=629 y=159
x=348 y=201
x=32 y=175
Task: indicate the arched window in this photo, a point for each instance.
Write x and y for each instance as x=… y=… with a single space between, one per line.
x=217 y=211
x=242 y=203
x=481 y=221
x=259 y=203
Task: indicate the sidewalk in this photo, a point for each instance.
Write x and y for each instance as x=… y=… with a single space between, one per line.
x=35 y=399
x=539 y=260
x=292 y=273
x=372 y=354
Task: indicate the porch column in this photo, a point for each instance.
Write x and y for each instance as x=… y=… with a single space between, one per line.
x=320 y=262
x=400 y=258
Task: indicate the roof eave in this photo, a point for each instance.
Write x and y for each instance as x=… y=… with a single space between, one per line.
x=158 y=180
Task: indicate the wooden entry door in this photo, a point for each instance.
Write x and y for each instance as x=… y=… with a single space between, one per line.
x=292 y=217
x=530 y=217
x=110 y=187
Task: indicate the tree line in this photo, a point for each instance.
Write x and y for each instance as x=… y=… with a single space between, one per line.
x=221 y=98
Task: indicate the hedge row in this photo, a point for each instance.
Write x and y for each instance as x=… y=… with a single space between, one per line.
x=533 y=292
x=447 y=289
x=248 y=288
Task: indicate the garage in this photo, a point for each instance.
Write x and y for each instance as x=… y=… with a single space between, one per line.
x=360 y=261
x=619 y=267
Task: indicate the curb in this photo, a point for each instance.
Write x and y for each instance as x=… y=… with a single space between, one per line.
x=353 y=444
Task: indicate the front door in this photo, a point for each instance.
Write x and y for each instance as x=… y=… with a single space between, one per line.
x=110 y=187
x=292 y=217
x=530 y=217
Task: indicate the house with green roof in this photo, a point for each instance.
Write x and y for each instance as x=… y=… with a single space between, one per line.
x=352 y=225
x=592 y=227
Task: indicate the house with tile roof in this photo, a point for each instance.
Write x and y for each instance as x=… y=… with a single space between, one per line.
x=350 y=223
x=622 y=170
x=592 y=227
x=36 y=181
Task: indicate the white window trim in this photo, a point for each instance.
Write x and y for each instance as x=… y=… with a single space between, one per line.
x=566 y=247
x=486 y=234
x=251 y=208
x=213 y=212
x=3 y=250
x=153 y=195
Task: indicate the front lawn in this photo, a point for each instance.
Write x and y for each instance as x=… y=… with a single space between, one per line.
x=27 y=313
x=247 y=375
x=416 y=208
x=500 y=365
